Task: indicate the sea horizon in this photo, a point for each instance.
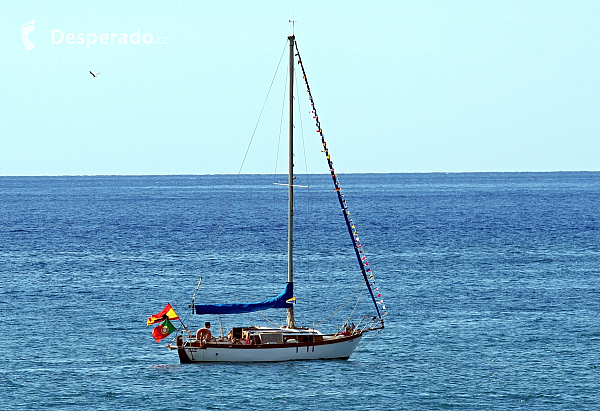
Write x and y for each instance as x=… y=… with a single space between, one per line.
x=299 y=173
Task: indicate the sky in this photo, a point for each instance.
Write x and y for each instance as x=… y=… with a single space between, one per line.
x=400 y=86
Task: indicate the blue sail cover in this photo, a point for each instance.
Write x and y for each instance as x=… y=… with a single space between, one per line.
x=277 y=302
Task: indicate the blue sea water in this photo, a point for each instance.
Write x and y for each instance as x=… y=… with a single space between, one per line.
x=491 y=283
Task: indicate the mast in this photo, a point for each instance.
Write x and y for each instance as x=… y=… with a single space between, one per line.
x=291 y=323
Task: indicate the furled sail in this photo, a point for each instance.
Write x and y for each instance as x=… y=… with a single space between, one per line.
x=358 y=248
x=277 y=302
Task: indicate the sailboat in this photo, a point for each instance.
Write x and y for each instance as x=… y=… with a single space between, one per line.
x=289 y=342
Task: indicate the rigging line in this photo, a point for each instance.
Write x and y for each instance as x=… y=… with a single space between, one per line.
x=341 y=306
x=356 y=305
x=269 y=321
x=366 y=342
x=241 y=166
x=277 y=154
x=307 y=258
x=195 y=292
x=301 y=128
x=281 y=124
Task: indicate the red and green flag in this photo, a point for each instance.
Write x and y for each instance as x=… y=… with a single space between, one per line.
x=164 y=329
x=167 y=312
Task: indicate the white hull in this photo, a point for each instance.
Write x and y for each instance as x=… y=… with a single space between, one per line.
x=334 y=348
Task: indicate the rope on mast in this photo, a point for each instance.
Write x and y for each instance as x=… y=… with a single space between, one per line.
x=358 y=248
x=342 y=305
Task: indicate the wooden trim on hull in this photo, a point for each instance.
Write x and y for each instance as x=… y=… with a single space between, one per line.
x=338 y=348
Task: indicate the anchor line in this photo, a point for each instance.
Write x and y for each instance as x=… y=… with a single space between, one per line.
x=358 y=248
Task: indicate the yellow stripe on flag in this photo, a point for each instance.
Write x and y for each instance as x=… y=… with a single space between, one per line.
x=168 y=311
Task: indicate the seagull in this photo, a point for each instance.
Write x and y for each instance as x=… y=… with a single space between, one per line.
x=95 y=75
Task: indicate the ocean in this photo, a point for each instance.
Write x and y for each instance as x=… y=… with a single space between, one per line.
x=491 y=283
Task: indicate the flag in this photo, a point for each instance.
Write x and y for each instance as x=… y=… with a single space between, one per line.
x=164 y=329
x=167 y=311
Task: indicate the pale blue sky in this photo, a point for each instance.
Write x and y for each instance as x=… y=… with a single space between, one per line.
x=401 y=86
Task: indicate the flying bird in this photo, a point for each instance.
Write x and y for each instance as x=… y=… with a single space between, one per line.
x=95 y=75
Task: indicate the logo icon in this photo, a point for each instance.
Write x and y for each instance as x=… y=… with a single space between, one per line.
x=25 y=30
